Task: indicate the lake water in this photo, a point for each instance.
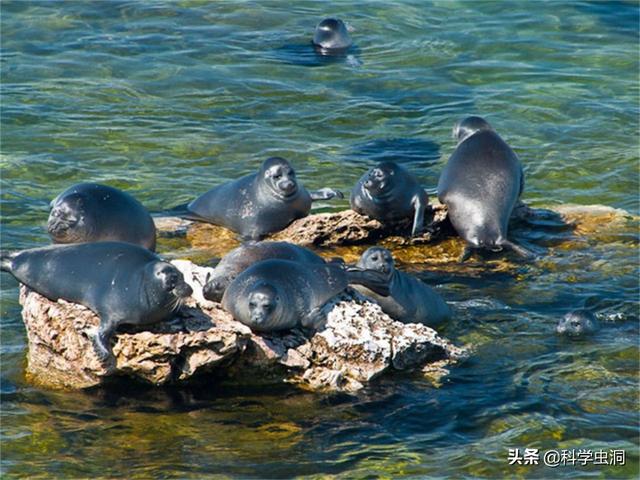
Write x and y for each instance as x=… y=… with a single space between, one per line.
x=167 y=99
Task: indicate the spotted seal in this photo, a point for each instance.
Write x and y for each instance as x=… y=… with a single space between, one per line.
x=409 y=300
x=480 y=185
x=259 y=203
x=578 y=323
x=241 y=258
x=122 y=283
x=390 y=193
x=91 y=212
x=274 y=295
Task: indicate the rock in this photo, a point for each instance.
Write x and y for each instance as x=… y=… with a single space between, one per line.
x=358 y=344
x=322 y=230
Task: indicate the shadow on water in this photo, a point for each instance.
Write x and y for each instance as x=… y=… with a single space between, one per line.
x=306 y=55
x=414 y=153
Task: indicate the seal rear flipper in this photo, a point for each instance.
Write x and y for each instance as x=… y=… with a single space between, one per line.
x=325 y=194
x=373 y=280
x=6 y=261
x=523 y=252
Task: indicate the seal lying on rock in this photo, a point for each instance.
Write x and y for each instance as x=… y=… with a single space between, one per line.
x=331 y=36
x=90 y=212
x=277 y=295
x=120 y=282
x=389 y=193
x=241 y=258
x=578 y=323
x=409 y=299
x=480 y=185
x=260 y=203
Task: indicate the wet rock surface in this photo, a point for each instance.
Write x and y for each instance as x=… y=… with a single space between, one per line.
x=358 y=343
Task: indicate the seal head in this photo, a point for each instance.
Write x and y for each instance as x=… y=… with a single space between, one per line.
x=468 y=126
x=68 y=221
x=577 y=324
x=279 y=177
x=331 y=35
x=91 y=212
x=380 y=180
x=378 y=259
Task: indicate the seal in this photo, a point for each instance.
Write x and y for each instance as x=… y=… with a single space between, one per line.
x=91 y=212
x=480 y=185
x=260 y=203
x=389 y=193
x=578 y=323
x=409 y=300
x=120 y=282
x=331 y=36
x=274 y=295
x=241 y=258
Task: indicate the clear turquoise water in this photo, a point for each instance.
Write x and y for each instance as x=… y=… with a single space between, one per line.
x=166 y=99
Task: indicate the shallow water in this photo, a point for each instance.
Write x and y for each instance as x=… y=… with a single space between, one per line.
x=166 y=99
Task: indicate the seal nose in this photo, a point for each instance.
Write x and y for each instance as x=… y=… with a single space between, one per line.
x=213 y=291
x=183 y=290
x=288 y=186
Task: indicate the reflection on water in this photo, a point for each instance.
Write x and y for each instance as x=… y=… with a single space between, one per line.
x=167 y=99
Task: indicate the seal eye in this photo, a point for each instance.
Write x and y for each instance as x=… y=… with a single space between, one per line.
x=374 y=258
x=252 y=305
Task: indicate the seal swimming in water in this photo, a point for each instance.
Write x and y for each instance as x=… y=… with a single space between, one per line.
x=389 y=193
x=90 y=212
x=241 y=258
x=409 y=299
x=120 y=282
x=578 y=323
x=480 y=185
x=331 y=36
x=259 y=203
x=274 y=295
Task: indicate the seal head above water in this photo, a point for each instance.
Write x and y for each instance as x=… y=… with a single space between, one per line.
x=331 y=36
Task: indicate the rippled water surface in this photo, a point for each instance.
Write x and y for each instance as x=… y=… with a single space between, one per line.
x=166 y=99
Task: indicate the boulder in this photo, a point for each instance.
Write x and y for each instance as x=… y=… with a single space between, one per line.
x=358 y=343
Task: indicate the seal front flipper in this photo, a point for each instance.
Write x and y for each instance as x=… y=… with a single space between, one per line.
x=418 y=217
x=325 y=194
x=314 y=320
x=466 y=254
x=102 y=339
x=523 y=252
x=373 y=280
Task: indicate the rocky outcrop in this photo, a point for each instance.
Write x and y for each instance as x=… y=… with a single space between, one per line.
x=359 y=343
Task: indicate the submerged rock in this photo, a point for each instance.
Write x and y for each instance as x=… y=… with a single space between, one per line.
x=358 y=344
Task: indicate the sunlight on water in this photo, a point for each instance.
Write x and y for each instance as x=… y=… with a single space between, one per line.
x=167 y=99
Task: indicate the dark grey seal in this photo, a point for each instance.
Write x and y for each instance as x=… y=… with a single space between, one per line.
x=241 y=258
x=260 y=203
x=480 y=185
x=389 y=193
x=120 y=282
x=90 y=212
x=275 y=295
x=578 y=323
x=331 y=36
x=409 y=299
